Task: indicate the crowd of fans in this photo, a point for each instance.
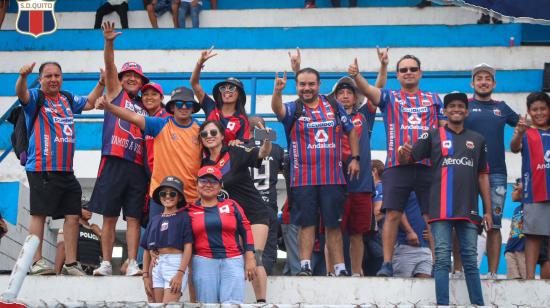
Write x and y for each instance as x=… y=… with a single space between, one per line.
x=205 y=193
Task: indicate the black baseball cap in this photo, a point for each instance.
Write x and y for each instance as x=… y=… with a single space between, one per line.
x=455 y=96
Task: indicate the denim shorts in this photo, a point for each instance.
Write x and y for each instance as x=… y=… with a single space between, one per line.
x=166 y=268
x=498 y=196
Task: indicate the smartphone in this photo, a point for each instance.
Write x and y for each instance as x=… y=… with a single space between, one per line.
x=263 y=134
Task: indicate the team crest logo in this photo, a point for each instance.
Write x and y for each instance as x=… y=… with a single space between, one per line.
x=447 y=144
x=497 y=112
x=221 y=162
x=470 y=145
x=36 y=17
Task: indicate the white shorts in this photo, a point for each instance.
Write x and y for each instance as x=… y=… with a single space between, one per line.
x=166 y=268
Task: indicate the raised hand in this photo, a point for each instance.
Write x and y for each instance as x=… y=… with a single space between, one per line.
x=100 y=102
x=205 y=55
x=280 y=83
x=109 y=33
x=383 y=55
x=26 y=69
x=522 y=126
x=353 y=69
x=295 y=60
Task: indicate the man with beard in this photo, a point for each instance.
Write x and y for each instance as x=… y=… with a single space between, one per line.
x=459 y=173
x=121 y=181
x=313 y=125
x=488 y=117
x=408 y=113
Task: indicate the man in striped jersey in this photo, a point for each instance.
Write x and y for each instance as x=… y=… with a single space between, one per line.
x=314 y=125
x=407 y=113
x=54 y=190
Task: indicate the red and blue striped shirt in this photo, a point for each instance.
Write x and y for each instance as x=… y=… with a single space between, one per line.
x=406 y=117
x=121 y=138
x=218 y=230
x=535 y=167
x=52 y=142
x=315 y=143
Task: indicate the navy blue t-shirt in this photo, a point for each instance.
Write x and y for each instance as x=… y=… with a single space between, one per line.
x=417 y=222
x=168 y=231
x=488 y=119
x=516 y=240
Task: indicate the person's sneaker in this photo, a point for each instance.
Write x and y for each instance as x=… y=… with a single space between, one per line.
x=457 y=275
x=104 y=269
x=133 y=269
x=386 y=270
x=305 y=271
x=73 y=270
x=343 y=273
x=355 y=275
x=40 y=267
x=491 y=276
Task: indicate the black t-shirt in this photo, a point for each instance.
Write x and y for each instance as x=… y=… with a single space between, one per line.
x=457 y=160
x=265 y=174
x=234 y=162
x=89 y=246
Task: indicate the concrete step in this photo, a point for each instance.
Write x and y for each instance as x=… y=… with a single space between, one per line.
x=299 y=292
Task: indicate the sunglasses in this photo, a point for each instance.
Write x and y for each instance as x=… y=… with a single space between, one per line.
x=165 y=194
x=187 y=105
x=403 y=70
x=213 y=133
x=208 y=180
x=228 y=88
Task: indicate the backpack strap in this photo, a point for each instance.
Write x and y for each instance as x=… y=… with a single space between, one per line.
x=297 y=112
x=39 y=104
x=334 y=105
x=69 y=97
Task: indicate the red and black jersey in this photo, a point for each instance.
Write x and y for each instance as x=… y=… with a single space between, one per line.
x=218 y=230
x=236 y=125
x=457 y=160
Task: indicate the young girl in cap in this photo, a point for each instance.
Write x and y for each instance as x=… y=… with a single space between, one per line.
x=227 y=107
x=534 y=143
x=169 y=237
x=221 y=260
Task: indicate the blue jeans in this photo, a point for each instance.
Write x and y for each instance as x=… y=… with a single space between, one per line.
x=193 y=11
x=466 y=233
x=290 y=236
x=497 y=182
x=219 y=280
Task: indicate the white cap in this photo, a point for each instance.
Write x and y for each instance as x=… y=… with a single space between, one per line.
x=483 y=67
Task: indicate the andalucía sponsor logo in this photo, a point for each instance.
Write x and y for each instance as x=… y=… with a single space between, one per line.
x=463 y=161
x=546 y=165
x=36 y=17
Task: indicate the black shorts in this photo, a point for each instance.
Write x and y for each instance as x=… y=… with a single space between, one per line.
x=400 y=181
x=257 y=214
x=54 y=194
x=121 y=184
x=543 y=253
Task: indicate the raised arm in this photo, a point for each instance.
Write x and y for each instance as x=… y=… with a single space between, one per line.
x=112 y=83
x=521 y=127
x=21 y=88
x=96 y=92
x=121 y=113
x=277 y=97
x=265 y=149
x=382 y=77
x=372 y=93
x=295 y=60
x=196 y=75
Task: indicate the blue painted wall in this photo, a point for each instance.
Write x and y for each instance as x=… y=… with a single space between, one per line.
x=270 y=38
x=9 y=199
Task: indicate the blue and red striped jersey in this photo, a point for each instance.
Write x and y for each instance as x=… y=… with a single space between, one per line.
x=406 y=117
x=218 y=230
x=236 y=125
x=535 y=154
x=148 y=154
x=315 y=143
x=52 y=142
x=457 y=160
x=121 y=138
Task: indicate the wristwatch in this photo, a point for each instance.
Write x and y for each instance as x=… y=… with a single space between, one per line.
x=356 y=157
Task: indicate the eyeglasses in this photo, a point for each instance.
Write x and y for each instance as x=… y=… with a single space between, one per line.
x=187 y=105
x=228 y=88
x=208 y=180
x=165 y=194
x=213 y=133
x=414 y=69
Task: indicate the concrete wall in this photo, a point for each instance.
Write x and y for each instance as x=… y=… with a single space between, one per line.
x=390 y=292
